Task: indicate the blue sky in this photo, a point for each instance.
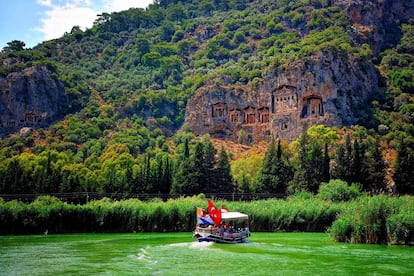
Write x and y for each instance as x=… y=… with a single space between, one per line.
x=34 y=21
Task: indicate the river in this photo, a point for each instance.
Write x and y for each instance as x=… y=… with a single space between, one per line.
x=178 y=254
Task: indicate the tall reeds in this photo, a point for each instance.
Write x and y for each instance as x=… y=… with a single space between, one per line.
x=378 y=219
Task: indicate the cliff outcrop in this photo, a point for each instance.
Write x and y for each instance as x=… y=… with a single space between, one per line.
x=377 y=23
x=30 y=98
x=325 y=89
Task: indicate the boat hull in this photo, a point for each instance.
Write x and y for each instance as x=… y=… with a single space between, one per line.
x=209 y=237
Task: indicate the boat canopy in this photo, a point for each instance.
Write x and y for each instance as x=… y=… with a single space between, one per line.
x=233 y=216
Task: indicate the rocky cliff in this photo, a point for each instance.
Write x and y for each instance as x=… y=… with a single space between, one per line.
x=322 y=90
x=326 y=89
x=377 y=22
x=30 y=98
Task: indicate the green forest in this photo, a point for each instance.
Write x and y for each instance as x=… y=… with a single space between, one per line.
x=129 y=78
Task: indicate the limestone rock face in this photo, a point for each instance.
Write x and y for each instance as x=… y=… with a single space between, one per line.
x=325 y=89
x=30 y=98
x=377 y=22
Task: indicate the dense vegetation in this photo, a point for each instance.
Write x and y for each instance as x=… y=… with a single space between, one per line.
x=129 y=78
x=378 y=219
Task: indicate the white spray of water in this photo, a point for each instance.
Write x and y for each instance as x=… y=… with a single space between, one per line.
x=201 y=245
x=194 y=245
x=144 y=256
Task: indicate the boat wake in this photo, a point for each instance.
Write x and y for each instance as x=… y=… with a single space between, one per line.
x=201 y=245
x=144 y=256
x=192 y=245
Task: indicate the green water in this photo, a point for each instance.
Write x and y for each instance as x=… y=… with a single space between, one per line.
x=178 y=254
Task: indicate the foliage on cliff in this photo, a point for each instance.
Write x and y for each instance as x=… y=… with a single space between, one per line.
x=131 y=74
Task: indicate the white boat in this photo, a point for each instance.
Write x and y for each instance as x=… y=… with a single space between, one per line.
x=233 y=228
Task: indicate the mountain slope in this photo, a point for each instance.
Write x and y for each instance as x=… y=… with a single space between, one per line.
x=139 y=77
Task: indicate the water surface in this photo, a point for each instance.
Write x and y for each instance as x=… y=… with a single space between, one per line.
x=178 y=254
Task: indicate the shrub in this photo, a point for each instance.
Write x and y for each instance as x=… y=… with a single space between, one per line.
x=338 y=190
x=47 y=200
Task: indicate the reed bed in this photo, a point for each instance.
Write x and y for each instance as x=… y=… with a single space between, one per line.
x=378 y=219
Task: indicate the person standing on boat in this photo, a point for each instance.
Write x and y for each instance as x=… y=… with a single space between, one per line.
x=221 y=229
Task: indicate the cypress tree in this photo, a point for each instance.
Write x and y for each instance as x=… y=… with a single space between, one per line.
x=283 y=169
x=129 y=175
x=166 y=180
x=158 y=181
x=358 y=156
x=209 y=180
x=377 y=169
x=303 y=170
x=182 y=176
x=325 y=166
x=343 y=162
x=267 y=177
x=404 y=167
x=316 y=169
x=275 y=172
x=224 y=178
x=279 y=150
x=197 y=180
x=147 y=177
x=186 y=149
x=369 y=167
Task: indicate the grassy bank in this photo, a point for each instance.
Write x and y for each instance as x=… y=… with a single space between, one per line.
x=379 y=219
